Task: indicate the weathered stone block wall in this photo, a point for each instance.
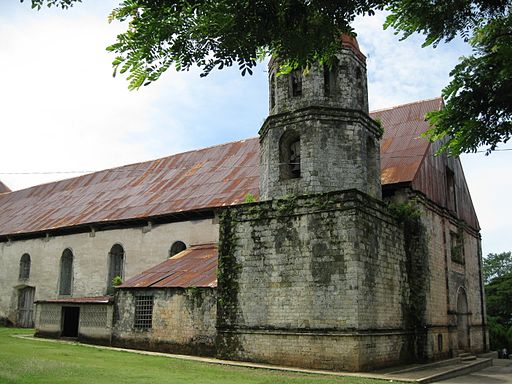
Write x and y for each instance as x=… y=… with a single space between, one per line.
x=446 y=277
x=183 y=320
x=143 y=249
x=339 y=151
x=347 y=90
x=314 y=281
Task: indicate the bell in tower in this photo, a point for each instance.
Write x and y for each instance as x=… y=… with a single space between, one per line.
x=318 y=136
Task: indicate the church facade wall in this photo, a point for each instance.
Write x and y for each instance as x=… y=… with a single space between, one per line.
x=317 y=281
x=143 y=248
x=183 y=320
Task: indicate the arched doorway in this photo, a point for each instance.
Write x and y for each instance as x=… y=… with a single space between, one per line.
x=462 y=320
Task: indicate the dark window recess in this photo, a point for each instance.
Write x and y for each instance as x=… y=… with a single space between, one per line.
x=115 y=263
x=272 y=91
x=330 y=79
x=296 y=82
x=289 y=155
x=66 y=272
x=440 y=343
x=24 y=267
x=143 y=312
x=177 y=247
x=456 y=247
x=451 y=202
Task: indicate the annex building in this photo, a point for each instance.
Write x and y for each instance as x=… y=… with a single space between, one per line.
x=335 y=239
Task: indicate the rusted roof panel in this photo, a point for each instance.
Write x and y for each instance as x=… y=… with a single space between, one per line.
x=202 y=179
x=80 y=300
x=402 y=147
x=193 y=267
x=206 y=178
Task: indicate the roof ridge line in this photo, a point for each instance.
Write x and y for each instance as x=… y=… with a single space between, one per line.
x=440 y=98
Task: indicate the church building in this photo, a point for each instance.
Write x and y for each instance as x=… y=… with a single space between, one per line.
x=336 y=239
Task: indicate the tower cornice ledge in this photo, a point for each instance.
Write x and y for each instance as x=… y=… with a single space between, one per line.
x=321 y=113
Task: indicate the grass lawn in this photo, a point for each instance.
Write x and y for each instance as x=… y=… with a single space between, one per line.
x=34 y=362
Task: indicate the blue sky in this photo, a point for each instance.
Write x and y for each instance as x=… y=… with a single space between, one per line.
x=61 y=109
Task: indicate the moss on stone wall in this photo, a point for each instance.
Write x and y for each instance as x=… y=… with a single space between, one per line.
x=418 y=275
x=228 y=273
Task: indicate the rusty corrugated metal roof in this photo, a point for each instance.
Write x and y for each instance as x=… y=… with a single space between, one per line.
x=402 y=148
x=193 y=267
x=80 y=300
x=201 y=179
x=205 y=178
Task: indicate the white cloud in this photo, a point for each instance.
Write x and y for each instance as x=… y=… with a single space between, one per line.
x=402 y=71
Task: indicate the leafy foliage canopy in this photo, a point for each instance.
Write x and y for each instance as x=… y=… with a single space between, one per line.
x=213 y=34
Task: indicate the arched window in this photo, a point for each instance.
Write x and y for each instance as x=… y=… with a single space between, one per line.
x=289 y=155
x=115 y=263
x=24 y=267
x=66 y=272
x=177 y=247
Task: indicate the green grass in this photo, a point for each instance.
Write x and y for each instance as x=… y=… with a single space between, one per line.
x=35 y=361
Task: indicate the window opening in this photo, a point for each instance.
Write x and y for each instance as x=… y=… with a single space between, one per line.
x=24 y=267
x=143 y=312
x=272 y=92
x=296 y=80
x=440 y=342
x=116 y=264
x=456 y=247
x=452 y=196
x=329 y=79
x=289 y=155
x=66 y=272
x=177 y=247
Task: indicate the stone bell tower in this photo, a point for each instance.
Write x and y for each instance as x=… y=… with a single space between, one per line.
x=318 y=136
x=312 y=274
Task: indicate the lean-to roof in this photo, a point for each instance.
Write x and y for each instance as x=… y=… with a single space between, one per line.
x=194 y=267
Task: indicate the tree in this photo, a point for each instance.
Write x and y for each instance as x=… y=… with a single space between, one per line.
x=218 y=33
x=497 y=271
x=496 y=265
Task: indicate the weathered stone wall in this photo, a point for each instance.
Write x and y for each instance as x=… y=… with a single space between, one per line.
x=339 y=151
x=183 y=320
x=446 y=277
x=348 y=88
x=143 y=249
x=315 y=281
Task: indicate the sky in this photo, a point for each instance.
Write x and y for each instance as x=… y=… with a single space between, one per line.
x=63 y=113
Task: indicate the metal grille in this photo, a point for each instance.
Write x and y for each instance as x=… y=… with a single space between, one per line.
x=143 y=312
x=93 y=316
x=50 y=315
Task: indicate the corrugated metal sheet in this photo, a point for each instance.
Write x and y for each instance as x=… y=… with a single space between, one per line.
x=194 y=267
x=80 y=300
x=206 y=178
x=402 y=147
x=431 y=179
